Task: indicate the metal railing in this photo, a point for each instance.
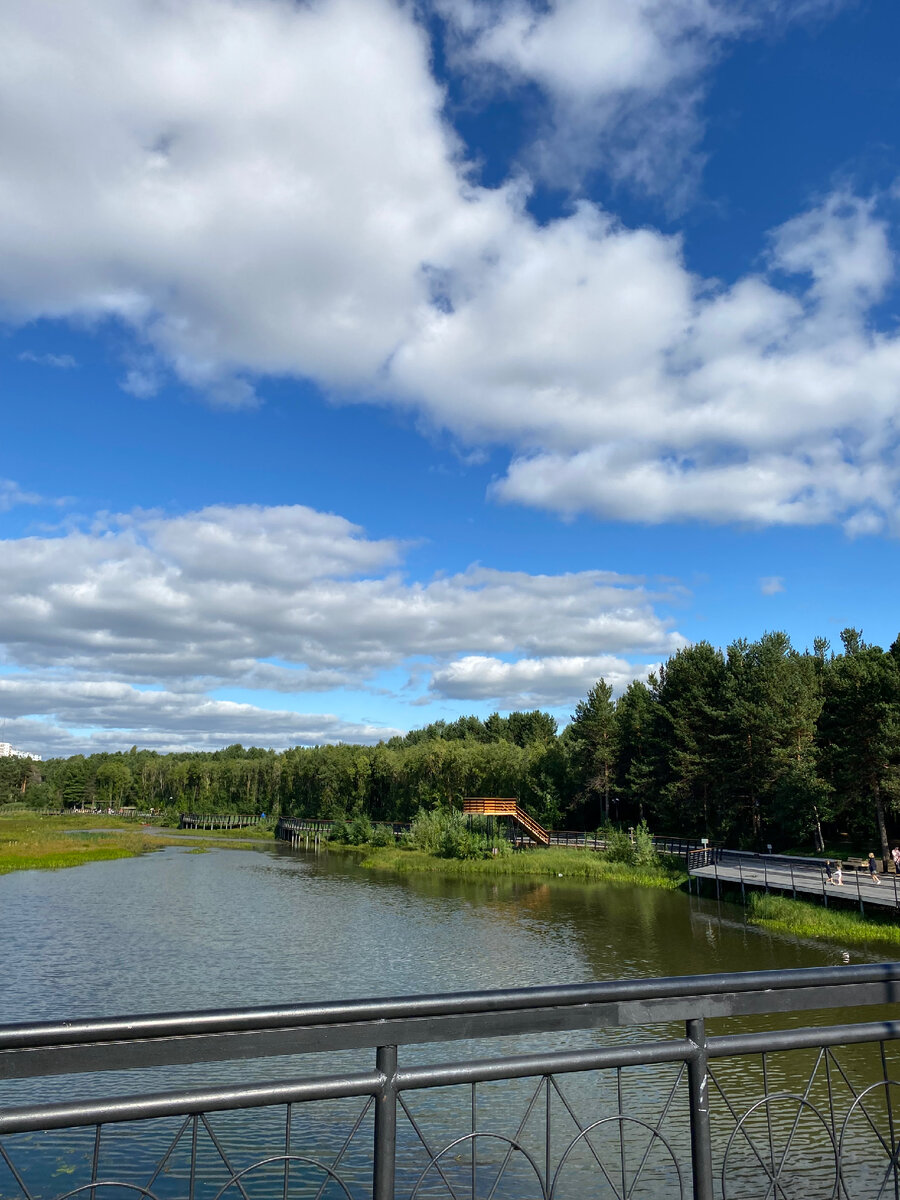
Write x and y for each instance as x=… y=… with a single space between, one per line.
x=664 y=1111
x=805 y=877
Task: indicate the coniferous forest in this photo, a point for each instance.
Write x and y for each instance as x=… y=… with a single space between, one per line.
x=757 y=744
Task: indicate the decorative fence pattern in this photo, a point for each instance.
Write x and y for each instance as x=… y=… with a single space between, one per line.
x=641 y=1102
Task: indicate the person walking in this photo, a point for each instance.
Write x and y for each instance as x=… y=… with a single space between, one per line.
x=838 y=874
x=895 y=855
x=829 y=872
x=873 y=868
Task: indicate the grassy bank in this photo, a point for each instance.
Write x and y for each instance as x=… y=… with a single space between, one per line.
x=30 y=842
x=583 y=865
x=814 y=921
x=49 y=843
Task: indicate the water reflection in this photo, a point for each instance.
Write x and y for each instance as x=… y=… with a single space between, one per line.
x=179 y=930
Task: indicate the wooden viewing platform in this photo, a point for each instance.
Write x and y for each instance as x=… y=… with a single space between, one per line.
x=506 y=806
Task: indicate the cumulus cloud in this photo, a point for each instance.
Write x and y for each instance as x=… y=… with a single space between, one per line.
x=623 y=79
x=531 y=682
x=289 y=600
x=771 y=585
x=80 y=717
x=212 y=175
x=196 y=169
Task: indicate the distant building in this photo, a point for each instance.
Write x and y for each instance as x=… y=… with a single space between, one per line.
x=8 y=751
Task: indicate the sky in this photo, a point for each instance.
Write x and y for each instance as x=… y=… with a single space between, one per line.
x=366 y=362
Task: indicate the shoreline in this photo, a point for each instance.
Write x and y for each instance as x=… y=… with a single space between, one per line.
x=37 y=843
x=30 y=843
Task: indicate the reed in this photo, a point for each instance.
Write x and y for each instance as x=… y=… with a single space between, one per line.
x=828 y=924
x=583 y=865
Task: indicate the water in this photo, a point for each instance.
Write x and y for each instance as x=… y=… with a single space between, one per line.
x=179 y=930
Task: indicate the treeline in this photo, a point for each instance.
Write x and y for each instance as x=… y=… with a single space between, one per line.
x=758 y=744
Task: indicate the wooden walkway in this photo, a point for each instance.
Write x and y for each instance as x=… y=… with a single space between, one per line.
x=801 y=877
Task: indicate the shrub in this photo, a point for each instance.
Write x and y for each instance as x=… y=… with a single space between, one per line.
x=340 y=831
x=382 y=835
x=446 y=833
x=429 y=828
x=618 y=845
x=359 y=830
x=644 y=851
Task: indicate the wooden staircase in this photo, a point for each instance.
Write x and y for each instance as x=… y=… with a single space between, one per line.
x=507 y=806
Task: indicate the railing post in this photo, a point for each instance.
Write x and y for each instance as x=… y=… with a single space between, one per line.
x=698 y=1084
x=385 y=1125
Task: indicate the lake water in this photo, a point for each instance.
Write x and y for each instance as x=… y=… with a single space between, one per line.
x=179 y=930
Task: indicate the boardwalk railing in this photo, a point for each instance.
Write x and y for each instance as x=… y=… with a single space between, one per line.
x=293 y=829
x=659 y=1108
x=507 y=806
x=805 y=877
x=218 y=821
x=290 y=829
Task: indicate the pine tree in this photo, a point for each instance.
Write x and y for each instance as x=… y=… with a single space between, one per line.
x=860 y=725
x=688 y=730
x=592 y=742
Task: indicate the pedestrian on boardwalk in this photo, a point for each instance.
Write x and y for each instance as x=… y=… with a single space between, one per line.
x=829 y=872
x=873 y=868
x=895 y=855
x=838 y=874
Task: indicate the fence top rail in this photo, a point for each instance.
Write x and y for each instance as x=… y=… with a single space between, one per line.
x=27 y=1036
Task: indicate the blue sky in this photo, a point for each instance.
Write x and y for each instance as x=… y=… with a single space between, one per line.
x=366 y=363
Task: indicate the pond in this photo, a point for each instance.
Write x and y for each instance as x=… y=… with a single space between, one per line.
x=181 y=930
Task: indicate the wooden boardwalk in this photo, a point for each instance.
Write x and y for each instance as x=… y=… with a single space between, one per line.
x=801 y=877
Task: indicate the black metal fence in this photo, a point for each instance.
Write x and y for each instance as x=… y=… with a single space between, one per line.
x=614 y=1089
x=808 y=878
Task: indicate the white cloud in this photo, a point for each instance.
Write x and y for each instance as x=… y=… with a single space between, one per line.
x=63 y=362
x=212 y=174
x=531 y=682
x=771 y=585
x=11 y=495
x=287 y=600
x=634 y=392
x=211 y=594
x=255 y=186
x=624 y=80
x=57 y=718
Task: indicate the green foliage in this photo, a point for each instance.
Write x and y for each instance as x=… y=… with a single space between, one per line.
x=846 y=927
x=764 y=744
x=582 y=865
x=644 y=851
x=634 y=849
x=339 y=832
x=593 y=741
x=382 y=835
x=359 y=831
x=446 y=833
x=618 y=845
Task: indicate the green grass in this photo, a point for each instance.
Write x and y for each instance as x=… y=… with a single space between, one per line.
x=583 y=865
x=30 y=842
x=813 y=920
